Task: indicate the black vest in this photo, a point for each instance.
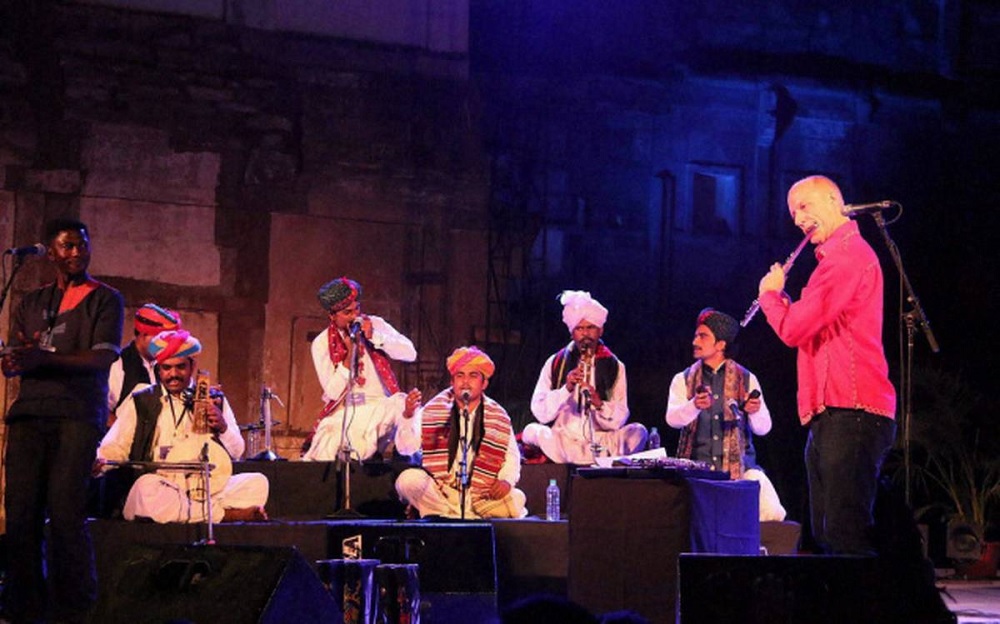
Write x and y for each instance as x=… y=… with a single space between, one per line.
x=605 y=370
x=135 y=372
x=147 y=412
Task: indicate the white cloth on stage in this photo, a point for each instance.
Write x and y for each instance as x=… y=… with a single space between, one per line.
x=372 y=415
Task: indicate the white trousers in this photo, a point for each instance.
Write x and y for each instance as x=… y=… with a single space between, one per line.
x=770 y=505
x=564 y=446
x=418 y=488
x=156 y=497
x=370 y=429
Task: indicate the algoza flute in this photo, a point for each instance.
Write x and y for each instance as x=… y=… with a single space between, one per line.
x=785 y=268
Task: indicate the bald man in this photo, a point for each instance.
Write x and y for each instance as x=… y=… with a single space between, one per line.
x=844 y=393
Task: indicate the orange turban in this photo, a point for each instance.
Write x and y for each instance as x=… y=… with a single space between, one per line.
x=470 y=357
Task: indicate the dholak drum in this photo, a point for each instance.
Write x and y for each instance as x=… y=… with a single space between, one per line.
x=398 y=593
x=351 y=583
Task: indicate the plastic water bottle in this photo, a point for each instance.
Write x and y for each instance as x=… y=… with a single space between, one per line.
x=552 y=501
x=654 y=439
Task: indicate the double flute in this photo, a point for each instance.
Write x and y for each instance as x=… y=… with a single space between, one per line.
x=785 y=268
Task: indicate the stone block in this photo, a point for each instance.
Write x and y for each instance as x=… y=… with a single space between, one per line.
x=159 y=242
x=64 y=181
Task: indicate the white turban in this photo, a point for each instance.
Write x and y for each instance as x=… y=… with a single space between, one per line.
x=578 y=306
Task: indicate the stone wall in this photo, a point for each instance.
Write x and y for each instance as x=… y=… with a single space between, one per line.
x=228 y=172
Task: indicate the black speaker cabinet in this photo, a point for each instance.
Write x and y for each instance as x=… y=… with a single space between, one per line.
x=805 y=589
x=232 y=584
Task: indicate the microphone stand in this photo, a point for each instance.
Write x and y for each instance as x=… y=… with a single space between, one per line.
x=344 y=455
x=910 y=319
x=463 y=464
x=588 y=411
x=587 y=407
x=206 y=467
x=266 y=395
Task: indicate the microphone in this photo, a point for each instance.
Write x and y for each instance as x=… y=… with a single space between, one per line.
x=37 y=249
x=849 y=210
x=737 y=410
x=465 y=397
x=752 y=395
x=354 y=329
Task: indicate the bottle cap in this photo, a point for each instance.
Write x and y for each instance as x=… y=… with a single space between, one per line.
x=552 y=481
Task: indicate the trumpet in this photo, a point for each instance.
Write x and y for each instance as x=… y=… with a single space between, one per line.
x=586 y=362
x=785 y=268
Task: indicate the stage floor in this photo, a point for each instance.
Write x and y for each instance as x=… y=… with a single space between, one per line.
x=974 y=602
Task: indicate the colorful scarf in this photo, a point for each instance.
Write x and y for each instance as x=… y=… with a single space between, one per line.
x=439 y=440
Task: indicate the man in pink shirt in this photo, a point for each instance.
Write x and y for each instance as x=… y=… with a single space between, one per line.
x=844 y=393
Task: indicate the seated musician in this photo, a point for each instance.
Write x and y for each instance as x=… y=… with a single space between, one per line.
x=581 y=397
x=461 y=422
x=701 y=404
x=159 y=419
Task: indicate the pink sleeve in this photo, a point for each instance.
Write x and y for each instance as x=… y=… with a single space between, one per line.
x=826 y=296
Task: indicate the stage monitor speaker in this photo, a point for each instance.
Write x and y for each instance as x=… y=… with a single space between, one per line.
x=232 y=584
x=813 y=589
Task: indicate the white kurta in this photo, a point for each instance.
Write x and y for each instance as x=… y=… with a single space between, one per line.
x=162 y=498
x=431 y=497
x=570 y=438
x=681 y=412
x=372 y=414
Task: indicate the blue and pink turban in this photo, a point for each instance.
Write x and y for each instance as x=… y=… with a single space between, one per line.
x=174 y=344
